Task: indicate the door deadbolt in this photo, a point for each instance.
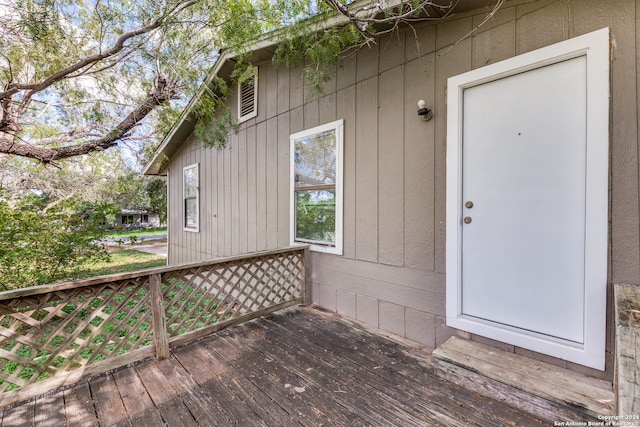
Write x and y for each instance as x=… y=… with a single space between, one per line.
x=467 y=220
x=469 y=204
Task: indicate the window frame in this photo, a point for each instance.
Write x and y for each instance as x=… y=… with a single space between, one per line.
x=254 y=112
x=195 y=229
x=337 y=247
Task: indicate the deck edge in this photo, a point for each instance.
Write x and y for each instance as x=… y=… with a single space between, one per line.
x=452 y=363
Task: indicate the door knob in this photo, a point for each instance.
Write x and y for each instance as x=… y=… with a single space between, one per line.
x=469 y=204
x=467 y=220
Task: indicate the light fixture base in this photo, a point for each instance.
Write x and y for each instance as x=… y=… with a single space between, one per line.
x=425 y=113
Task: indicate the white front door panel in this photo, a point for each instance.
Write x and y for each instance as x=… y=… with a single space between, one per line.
x=527 y=200
x=523 y=149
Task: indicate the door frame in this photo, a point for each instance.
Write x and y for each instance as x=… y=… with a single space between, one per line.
x=595 y=47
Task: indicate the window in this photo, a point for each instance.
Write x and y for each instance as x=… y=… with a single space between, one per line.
x=191 y=192
x=316 y=187
x=248 y=95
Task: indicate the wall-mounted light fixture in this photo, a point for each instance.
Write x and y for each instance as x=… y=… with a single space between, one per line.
x=423 y=111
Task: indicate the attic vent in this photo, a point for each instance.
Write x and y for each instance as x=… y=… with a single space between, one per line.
x=248 y=97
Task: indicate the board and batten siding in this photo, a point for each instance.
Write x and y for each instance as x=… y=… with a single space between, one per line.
x=392 y=272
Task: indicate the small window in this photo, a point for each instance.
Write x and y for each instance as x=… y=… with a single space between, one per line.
x=191 y=190
x=316 y=187
x=248 y=95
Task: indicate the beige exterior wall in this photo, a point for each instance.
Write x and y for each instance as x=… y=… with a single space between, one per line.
x=392 y=273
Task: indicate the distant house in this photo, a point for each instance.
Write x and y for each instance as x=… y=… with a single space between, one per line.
x=506 y=218
x=136 y=218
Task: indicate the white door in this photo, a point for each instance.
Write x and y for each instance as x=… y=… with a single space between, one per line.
x=527 y=200
x=523 y=161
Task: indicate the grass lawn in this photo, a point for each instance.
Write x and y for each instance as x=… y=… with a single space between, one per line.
x=138 y=233
x=123 y=260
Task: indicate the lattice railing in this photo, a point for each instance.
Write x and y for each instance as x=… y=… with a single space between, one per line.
x=207 y=294
x=53 y=335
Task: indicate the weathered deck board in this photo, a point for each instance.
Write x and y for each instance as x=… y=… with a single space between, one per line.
x=137 y=402
x=236 y=405
x=22 y=415
x=164 y=396
x=284 y=384
x=627 y=303
x=108 y=402
x=78 y=406
x=345 y=387
x=383 y=362
x=297 y=367
x=243 y=389
x=203 y=406
x=272 y=380
x=49 y=410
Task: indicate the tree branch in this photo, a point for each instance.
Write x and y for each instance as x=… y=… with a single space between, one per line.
x=163 y=91
x=58 y=201
x=61 y=139
x=375 y=15
x=119 y=45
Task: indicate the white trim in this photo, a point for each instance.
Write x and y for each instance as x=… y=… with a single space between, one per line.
x=338 y=126
x=169 y=217
x=254 y=111
x=595 y=47
x=195 y=229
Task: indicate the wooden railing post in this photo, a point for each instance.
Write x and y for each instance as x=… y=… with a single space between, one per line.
x=305 y=284
x=160 y=337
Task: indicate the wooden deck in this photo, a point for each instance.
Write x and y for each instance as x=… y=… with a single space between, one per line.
x=298 y=367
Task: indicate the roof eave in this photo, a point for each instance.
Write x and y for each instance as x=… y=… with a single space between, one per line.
x=176 y=135
x=178 y=132
x=184 y=125
x=170 y=143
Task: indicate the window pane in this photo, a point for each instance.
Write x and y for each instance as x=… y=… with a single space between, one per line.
x=316 y=215
x=315 y=159
x=191 y=213
x=190 y=182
